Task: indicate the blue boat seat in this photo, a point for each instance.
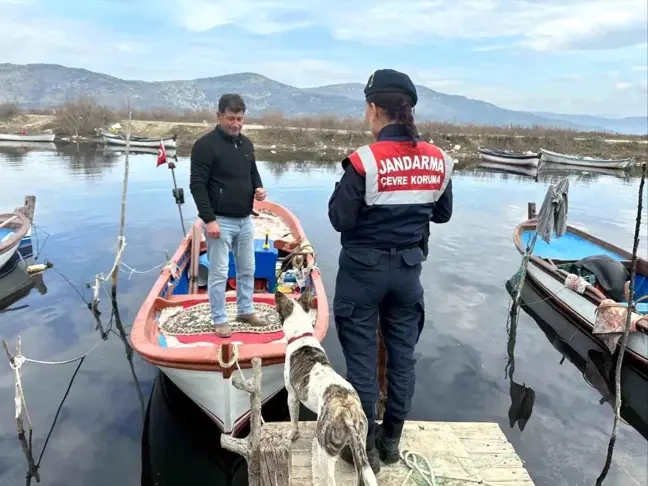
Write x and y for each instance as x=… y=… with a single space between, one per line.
x=265 y=265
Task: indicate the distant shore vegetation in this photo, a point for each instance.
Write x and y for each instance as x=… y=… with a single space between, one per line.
x=85 y=114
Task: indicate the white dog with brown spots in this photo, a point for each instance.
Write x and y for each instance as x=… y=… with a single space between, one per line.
x=311 y=380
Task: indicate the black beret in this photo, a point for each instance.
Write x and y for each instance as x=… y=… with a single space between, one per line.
x=390 y=81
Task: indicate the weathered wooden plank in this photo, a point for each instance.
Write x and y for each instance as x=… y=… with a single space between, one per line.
x=274 y=459
x=460 y=454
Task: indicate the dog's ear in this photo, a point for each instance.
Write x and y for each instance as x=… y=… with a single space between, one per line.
x=305 y=299
x=283 y=304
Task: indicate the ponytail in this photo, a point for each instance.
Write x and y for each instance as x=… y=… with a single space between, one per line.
x=398 y=108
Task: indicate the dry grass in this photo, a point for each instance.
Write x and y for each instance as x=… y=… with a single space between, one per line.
x=9 y=111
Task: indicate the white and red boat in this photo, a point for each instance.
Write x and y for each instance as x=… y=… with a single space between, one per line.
x=173 y=328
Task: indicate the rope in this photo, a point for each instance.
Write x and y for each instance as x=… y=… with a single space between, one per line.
x=414 y=461
x=233 y=361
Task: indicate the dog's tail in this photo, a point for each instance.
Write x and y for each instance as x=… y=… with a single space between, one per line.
x=365 y=474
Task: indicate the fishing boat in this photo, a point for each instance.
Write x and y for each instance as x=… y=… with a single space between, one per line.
x=14 y=227
x=28 y=137
x=556 y=158
x=120 y=139
x=596 y=365
x=589 y=173
x=509 y=157
x=173 y=328
x=579 y=275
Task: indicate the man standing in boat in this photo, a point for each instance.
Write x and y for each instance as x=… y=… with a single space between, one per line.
x=224 y=182
x=390 y=191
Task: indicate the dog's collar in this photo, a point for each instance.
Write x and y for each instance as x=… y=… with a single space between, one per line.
x=306 y=334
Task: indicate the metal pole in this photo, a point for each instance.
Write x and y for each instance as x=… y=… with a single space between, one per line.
x=177 y=198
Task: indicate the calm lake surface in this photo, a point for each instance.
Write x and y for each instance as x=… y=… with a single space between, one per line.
x=462 y=352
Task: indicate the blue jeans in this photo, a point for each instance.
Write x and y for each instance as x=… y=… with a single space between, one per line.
x=236 y=234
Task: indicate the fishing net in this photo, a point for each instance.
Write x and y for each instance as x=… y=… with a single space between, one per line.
x=196 y=319
x=268 y=221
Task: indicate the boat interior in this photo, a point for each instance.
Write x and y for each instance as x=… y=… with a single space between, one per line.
x=602 y=265
x=281 y=261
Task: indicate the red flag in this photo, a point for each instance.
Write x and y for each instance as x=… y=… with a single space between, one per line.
x=161 y=158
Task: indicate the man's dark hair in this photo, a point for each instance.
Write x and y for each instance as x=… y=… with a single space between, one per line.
x=232 y=102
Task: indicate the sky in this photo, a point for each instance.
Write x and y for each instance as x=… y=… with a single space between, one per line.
x=563 y=56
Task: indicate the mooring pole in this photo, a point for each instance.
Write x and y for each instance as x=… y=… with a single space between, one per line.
x=120 y=241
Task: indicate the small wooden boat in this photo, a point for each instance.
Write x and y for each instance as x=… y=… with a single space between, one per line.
x=552 y=273
x=556 y=158
x=173 y=328
x=13 y=228
x=528 y=159
x=28 y=137
x=120 y=139
x=550 y=168
x=597 y=366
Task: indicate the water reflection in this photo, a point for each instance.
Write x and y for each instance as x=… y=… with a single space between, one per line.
x=16 y=283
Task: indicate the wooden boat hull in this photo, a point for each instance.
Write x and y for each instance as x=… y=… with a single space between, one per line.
x=585 y=352
x=501 y=157
x=152 y=143
x=13 y=228
x=556 y=158
x=202 y=371
x=35 y=137
x=549 y=281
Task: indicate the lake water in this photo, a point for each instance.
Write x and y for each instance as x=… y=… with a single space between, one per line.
x=462 y=352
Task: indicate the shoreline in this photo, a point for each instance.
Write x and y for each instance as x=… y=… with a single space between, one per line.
x=331 y=144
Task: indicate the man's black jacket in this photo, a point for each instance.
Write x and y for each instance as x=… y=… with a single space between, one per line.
x=224 y=175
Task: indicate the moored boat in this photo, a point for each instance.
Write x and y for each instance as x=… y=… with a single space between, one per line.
x=597 y=366
x=120 y=149
x=173 y=328
x=13 y=228
x=28 y=137
x=135 y=141
x=557 y=158
x=585 y=279
x=509 y=157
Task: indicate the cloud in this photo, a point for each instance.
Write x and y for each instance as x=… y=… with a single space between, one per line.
x=640 y=68
x=549 y=25
x=256 y=16
x=623 y=85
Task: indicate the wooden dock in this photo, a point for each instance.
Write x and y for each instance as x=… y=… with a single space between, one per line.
x=460 y=454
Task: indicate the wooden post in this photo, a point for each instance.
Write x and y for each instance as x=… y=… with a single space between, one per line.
x=21 y=413
x=275 y=459
x=249 y=447
x=531 y=210
x=120 y=241
x=28 y=208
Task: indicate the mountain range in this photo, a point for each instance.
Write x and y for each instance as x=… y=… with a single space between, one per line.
x=47 y=85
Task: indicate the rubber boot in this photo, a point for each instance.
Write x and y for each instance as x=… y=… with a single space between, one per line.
x=388 y=436
x=372 y=452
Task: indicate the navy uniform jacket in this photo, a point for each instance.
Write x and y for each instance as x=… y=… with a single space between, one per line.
x=383 y=226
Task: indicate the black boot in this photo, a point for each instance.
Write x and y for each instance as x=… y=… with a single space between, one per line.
x=387 y=440
x=372 y=453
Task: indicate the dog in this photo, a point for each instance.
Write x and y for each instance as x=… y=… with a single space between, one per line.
x=311 y=380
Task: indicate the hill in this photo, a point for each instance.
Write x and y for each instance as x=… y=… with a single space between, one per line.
x=48 y=85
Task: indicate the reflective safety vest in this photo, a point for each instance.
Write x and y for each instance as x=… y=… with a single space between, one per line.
x=398 y=173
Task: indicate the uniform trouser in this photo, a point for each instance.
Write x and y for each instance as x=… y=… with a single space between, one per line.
x=386 y=284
